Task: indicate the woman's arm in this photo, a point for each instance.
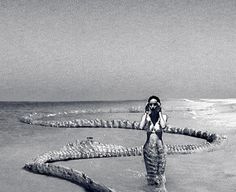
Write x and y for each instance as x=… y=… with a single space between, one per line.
x=143 y=121
x=163 y=120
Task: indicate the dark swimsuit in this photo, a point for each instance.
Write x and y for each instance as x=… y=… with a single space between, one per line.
x=158 y=132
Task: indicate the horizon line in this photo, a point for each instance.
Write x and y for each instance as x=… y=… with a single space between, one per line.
x=124 y=100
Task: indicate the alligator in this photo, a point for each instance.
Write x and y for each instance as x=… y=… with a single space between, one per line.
x=93 y=149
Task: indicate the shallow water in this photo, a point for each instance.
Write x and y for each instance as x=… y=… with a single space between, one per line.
x=20 y=143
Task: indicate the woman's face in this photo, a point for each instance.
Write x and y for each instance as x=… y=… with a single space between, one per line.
x=153 y=104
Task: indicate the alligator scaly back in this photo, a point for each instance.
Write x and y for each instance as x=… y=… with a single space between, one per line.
x=93 y=149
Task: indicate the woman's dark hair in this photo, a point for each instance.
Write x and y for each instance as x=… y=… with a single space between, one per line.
x=154 y=97
x=154 y=114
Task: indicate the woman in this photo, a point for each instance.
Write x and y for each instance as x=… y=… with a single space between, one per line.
x=154 y=150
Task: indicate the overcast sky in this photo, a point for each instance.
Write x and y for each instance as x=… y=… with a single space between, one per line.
x=110 y=50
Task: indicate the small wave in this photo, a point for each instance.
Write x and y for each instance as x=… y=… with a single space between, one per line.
x=219 y=112
x=132 y=109
x=138 y=109
x=198 y=104
x=51 y=115
x=93 y=111
x=188 y=100
x=29 y=118
x=222 y=101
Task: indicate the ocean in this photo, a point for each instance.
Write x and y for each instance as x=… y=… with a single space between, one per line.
x=216 y=113
x=20 y=142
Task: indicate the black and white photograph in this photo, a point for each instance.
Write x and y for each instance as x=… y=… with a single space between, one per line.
x=117 y=95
